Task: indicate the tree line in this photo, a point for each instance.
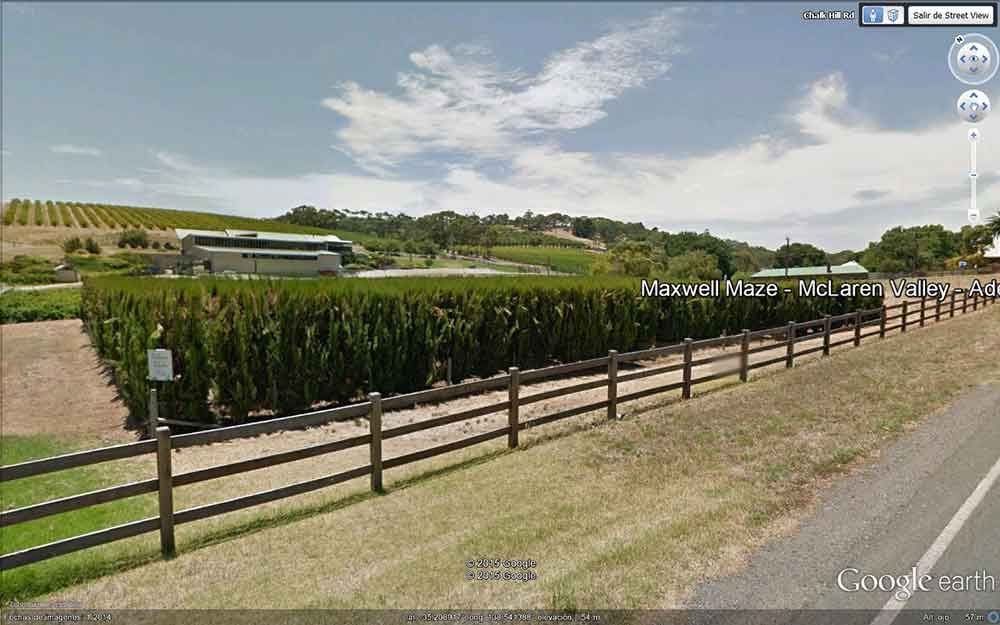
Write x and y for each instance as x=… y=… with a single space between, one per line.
x=635 y=249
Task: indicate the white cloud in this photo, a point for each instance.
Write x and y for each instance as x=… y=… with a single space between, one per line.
x=175 y=162
x=831 y=175
x=459 y=102
x=76 y=150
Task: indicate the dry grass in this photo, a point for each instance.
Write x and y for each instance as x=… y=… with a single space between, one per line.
x=623 y=514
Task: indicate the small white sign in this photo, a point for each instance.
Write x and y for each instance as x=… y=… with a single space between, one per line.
x=161 y=365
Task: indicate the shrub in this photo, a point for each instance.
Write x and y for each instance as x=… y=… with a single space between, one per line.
x=72 y=244
x=24 y=306
x=156 y=245
x=168 y=246
x=10 y=212
x=91 y=246
x=27 y=270
x=283 y=346
x=133 y=238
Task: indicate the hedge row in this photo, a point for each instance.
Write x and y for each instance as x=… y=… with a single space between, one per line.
x=283 y=346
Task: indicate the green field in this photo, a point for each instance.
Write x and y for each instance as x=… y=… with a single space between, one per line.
x=31 y=213
x=24 y=306
x=45 y=576
x=35 y=270
x=563 y=260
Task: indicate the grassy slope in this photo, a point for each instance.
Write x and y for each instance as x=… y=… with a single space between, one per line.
x=45 y=576
x=565 y=260
x=625 y=514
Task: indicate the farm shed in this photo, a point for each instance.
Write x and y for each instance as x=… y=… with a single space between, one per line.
x=847 y=271
x=269 y=253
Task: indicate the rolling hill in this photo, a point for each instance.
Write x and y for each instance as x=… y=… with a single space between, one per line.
x=30 y=214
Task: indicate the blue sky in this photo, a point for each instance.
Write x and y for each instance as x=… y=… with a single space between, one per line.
x=737 y=117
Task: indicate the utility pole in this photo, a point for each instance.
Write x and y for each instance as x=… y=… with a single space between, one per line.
x=788 y=245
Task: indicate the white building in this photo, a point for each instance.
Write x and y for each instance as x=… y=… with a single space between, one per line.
x=994 y=252
x=271 y=253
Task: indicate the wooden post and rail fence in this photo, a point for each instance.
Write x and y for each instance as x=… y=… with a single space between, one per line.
x=162 y=444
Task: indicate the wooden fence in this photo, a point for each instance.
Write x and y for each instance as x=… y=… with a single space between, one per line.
x=856 y=327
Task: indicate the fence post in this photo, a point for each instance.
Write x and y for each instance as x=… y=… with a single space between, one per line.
x=906 y=305
x=375 y=447
x=826 y=335
x=790 y=350
x=745 y=356
x=154 y=413
x=953 y=303
x=923 y=310
x=686 y=389
x=975 y=301
x=881 y=322
x=965 y=302
x=165 y=476
x=449 y=370
x=937 y=309
x=857 y=328
x=513 y=396
x=612 y=384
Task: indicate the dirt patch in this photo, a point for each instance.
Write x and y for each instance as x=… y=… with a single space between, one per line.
x=563 y=233
x=53 y=383
x=46 y=241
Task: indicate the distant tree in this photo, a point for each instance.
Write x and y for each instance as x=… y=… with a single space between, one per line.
x=918 y=248
x=72 y=244
x=800 y=255
x=975 y=239
x=684 y=242
x=91 y=246
x=488 y=239
x=133 y=238
x=584 y=228
x=693 y=265
x=844 y=256
x=994 y=225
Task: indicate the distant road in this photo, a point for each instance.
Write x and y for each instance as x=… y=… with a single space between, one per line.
x=441 y=271
x=933 y=499
x=41 y=287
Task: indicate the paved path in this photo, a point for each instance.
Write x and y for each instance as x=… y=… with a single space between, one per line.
x=932 y=501
x=438 y=271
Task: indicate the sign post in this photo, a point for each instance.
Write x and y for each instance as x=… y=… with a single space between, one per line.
x=161 y=369
x=161 y=365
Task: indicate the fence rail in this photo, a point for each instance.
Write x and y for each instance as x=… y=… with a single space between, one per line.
x=786 y=339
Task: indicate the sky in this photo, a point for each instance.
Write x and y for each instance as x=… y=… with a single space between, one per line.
x=739 y=118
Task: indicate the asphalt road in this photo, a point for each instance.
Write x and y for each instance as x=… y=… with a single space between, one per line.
x=933 y=499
